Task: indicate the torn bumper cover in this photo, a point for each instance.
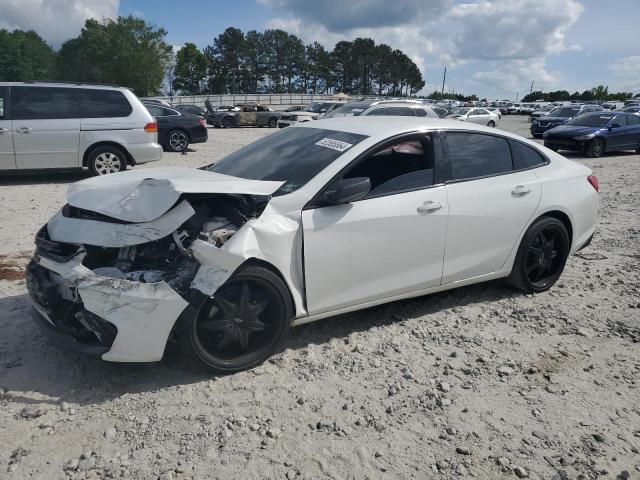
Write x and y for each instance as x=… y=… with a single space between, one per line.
x=119 y=320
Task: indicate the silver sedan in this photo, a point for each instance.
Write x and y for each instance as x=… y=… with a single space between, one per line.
x=481 y=116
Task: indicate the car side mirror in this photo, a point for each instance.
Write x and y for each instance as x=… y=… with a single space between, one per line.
x=347 y=190
x=614 y=125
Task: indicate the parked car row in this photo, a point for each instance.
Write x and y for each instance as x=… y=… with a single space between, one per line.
x=558 y=116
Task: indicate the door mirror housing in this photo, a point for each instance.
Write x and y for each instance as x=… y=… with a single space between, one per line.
x=614 y=125
x=346 y=190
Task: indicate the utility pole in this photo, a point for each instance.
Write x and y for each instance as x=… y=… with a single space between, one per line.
x=444 y=77
x=531 y=90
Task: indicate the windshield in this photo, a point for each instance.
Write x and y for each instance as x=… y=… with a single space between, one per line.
x=460 y=111
x=590 y=120
x=563 y=112
x=348 y=110
x=292 y=155
x=317 y=107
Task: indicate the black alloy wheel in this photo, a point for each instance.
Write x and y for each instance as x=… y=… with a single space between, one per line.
x=541 y=256
x=243 y=324
x=177 y=141
x=272 y=123
x=228 y=122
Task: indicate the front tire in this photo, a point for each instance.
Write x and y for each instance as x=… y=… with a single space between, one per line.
x=491 y=124
x=272 y=123
x=106 y=160
x=595 y=148
x=242 y=325
x=228 y=122
x=177 y=141
x=541 y=256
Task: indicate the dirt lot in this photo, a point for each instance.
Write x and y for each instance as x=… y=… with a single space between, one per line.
x=479 y=382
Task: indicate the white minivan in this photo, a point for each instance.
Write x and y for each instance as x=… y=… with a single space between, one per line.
x=67 y=125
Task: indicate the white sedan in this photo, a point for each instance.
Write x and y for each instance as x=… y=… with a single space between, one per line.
x=313 y=221
x=481 y=116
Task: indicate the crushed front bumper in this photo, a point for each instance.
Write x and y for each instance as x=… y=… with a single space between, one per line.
x=118 y=320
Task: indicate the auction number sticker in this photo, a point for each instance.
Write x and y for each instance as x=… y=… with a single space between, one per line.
x=334 y=144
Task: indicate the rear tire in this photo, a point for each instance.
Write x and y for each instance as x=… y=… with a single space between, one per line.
x=595 y=148
x=228 y=122
x=272 y=123
x=541 y=256
x=106 y=160
x=244 y=323
x=491 y=124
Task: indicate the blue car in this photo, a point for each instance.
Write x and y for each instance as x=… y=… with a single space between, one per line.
x=596 y=133
x=559 y=116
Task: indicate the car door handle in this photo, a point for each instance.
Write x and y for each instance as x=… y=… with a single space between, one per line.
x=520 y=190
x=3 y=131
x=24 y=130
x=429 y=207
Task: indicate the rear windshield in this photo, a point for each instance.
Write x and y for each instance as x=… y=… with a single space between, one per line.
x=590 y=120
x=292 y=155
x=348 y=110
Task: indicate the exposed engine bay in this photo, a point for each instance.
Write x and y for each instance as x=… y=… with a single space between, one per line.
x=217 y=218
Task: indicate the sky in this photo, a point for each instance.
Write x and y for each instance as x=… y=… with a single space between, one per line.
x=493 y=48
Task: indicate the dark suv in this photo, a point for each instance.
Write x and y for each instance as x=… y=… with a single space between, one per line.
x=559 y=116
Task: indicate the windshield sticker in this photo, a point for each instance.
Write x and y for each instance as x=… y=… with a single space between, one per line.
x=357 y=110
x=334 y=144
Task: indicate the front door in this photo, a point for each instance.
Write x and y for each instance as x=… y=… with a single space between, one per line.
x=46 y=127
x=248 y=116
x=388 y=243
x=7 y=157
x=489 y=204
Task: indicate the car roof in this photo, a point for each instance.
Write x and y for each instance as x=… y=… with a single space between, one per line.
x=63 y=84
x=384 y=127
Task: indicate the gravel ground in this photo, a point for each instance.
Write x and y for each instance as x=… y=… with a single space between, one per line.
x=478 y=382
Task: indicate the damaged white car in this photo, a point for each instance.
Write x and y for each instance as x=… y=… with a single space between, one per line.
x=312 y=221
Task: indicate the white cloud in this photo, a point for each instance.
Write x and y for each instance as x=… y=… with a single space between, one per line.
x=517 y=29
x=626 y=73
x=54 y=20
x=513 y=77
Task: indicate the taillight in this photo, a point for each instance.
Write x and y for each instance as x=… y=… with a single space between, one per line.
x=151 y=127
x=202 y=122
x=593 y=180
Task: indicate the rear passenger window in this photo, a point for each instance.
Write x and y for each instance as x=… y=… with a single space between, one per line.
x=32 y=103
x=633 y=120
x=400 y=111
x=620 y=120
x=420 y=112
x=103 y=104
x=525 y=156
x=477 y=155
x=377 y=111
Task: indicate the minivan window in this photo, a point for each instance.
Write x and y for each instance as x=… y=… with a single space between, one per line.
x=103 y=103
x=33 y=103
x=477 y=155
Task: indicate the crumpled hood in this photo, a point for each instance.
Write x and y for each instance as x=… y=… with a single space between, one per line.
x=146 y=194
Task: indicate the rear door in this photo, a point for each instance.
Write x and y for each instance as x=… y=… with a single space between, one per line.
x=7 y=156
x=46 y=126
x=489 y=203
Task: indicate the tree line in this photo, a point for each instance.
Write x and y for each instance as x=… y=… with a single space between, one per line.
x=274 y=61
x=128 y=51
x=599 y=93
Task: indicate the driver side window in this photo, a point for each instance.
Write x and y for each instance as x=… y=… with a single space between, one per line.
x=404 y=165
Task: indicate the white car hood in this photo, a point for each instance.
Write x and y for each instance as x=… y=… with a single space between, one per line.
x=145 y=195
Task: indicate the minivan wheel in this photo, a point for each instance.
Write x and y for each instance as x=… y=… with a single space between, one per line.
x=243 y=324
x=541 y=256
x=106 y=160
x=177 y=141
